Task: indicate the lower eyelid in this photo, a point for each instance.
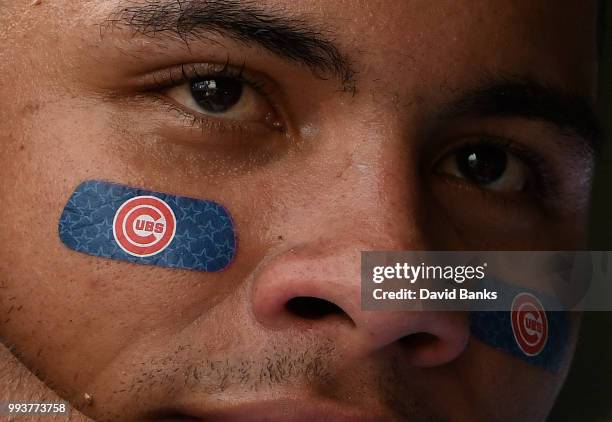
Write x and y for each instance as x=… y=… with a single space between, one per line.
x=208 y=123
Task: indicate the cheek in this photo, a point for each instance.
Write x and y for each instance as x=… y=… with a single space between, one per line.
x=498 y=222
x=533 y=390
x=69 y=314
x=80 y=313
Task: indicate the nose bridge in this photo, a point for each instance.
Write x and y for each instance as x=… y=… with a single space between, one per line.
x=373 y=188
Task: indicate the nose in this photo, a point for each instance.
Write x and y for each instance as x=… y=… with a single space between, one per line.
x=318 y=287
x=314 y=284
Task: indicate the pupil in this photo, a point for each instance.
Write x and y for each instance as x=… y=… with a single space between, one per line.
x=482 y=164
x=216 y=95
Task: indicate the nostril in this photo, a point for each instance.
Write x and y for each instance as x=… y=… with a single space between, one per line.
x=427 y=350
x=312 y=307
x=419 y=340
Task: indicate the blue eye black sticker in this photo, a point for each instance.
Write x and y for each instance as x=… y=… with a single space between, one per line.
x=129 y=224
x=527 y=331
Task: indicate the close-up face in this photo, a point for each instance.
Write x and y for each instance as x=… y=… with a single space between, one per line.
x=290 y=136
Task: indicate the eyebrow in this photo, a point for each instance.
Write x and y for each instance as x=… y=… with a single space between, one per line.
x=276 y=30
x=532 y=100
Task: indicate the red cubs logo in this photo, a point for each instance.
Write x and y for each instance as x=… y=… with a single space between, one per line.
x=529 y=323
x=144 y=226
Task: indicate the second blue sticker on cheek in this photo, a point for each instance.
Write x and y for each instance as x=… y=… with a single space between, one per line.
x=130 y=224
x=527 y=332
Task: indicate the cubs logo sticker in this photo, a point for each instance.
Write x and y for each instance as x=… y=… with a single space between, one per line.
x=144 y=226
x=529 y=324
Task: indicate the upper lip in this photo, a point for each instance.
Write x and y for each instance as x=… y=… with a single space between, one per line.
x=287 y=410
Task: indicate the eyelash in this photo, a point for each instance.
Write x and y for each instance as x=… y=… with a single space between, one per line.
x=191 y=72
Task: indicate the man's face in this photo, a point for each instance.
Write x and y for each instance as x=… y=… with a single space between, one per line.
x=341 y=126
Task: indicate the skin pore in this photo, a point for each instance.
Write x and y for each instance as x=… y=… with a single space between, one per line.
x=350 y=129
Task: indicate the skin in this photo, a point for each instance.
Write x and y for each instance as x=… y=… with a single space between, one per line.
x=348 y=171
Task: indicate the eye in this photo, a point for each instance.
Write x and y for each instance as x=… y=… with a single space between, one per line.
x=489 y=166
x=225 y=98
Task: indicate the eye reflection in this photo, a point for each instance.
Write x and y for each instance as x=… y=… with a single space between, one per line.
x=216 y=95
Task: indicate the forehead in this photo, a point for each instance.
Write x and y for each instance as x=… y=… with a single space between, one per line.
x=551 y=37
x=554 y=41
x=446 y=43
